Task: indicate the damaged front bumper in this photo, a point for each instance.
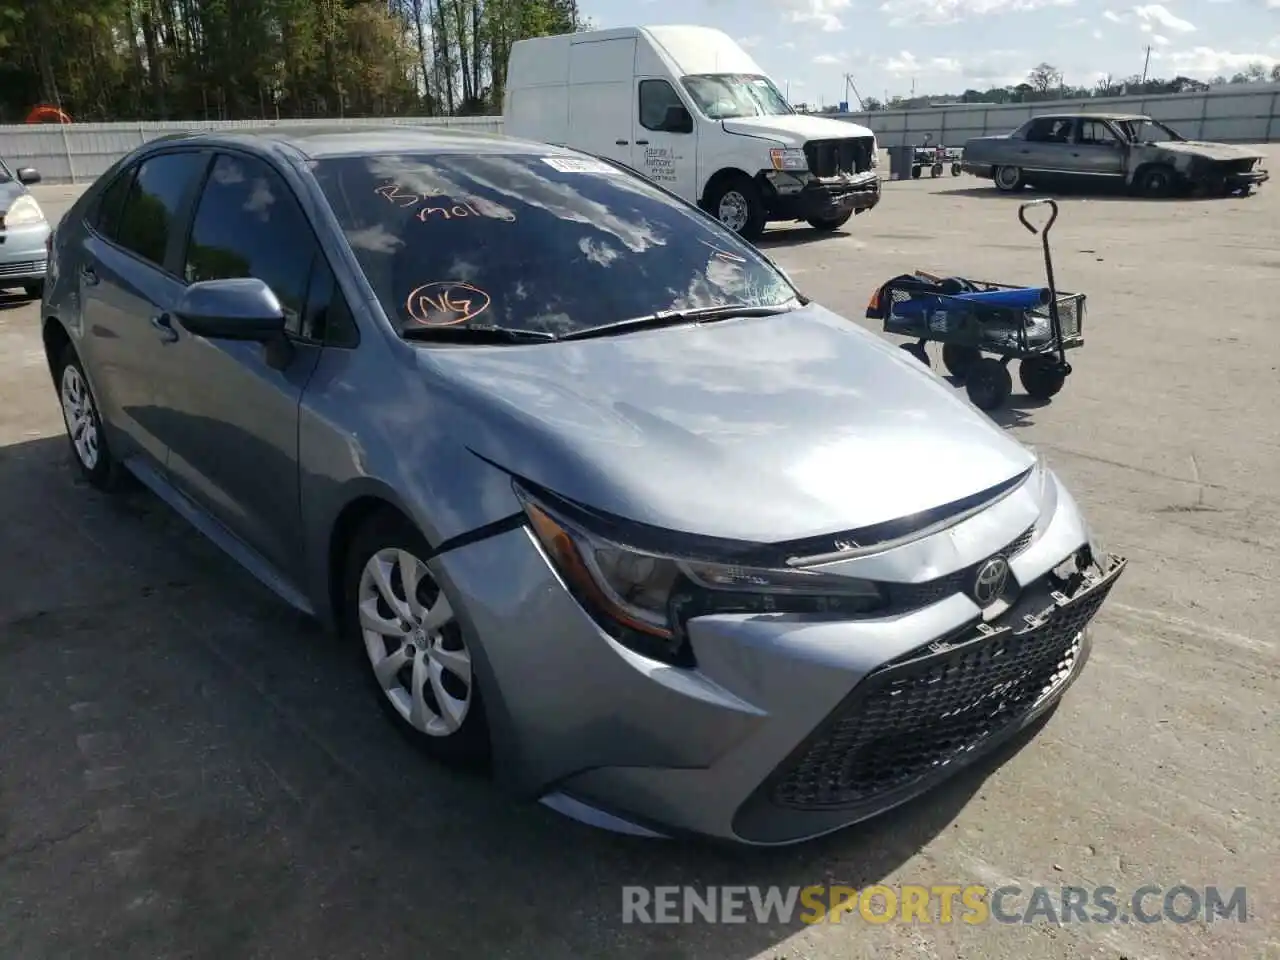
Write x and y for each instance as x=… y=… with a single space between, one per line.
x=790 y=197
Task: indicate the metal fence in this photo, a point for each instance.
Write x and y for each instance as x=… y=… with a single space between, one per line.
x=1247 y=113
x=80 y=152
x=1244 y=113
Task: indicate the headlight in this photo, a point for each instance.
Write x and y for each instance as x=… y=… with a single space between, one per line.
x=788 y=159
x=23 y=212
x=644 y=599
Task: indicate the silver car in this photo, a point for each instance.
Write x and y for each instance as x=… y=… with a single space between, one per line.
x=24 y=232
x=609 y=504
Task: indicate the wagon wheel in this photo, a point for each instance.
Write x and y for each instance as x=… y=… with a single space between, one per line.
x=1042 y=377
x=915 y=172
x=955 y=169
x=988 y=384
x=935 y=170
x=918 y=351
x=959 y=359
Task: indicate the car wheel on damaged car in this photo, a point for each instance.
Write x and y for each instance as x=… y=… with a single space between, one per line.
x=556 y=504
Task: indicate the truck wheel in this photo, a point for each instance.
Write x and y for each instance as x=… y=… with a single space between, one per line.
x=1156 y=181
x=736 y=202
x=1009 y=179
x=830 y=223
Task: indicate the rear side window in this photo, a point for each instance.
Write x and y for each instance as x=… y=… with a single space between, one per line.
x=248 y=224
x=106 y=218
x=153 y=203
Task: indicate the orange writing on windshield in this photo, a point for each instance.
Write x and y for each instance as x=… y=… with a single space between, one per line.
x=445 y=303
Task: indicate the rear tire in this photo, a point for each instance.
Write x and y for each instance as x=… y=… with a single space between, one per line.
x=829 y=224
x=736 y=202
x=959 y=360
x=918 y=351
x=988 y=384
x=89 y=448
x=1008 y=179
x=418 y=659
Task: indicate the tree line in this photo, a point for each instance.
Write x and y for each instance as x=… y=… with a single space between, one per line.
x=105 y=60
x=1045 y=82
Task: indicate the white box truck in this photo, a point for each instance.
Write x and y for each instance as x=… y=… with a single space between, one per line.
x=688 y=108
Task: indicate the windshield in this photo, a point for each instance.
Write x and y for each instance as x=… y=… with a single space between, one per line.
x=547 y=244
x=724 y=95
x=1148 y=131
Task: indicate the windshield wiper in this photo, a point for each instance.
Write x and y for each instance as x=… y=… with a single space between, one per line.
x=673 y=318
x=475 y=333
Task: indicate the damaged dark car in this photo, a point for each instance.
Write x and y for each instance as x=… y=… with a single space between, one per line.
x=1099 y=150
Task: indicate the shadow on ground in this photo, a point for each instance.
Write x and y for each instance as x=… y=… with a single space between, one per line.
x=225 y=785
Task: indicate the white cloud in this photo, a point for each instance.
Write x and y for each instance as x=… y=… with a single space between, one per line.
x=826 y=58
x=1207 y=62
x=821 y=13
x=907 y=64
x=1156 y=15
x=1112 y=16
x=1159 y=41
x=934 y=13
x=748 y=42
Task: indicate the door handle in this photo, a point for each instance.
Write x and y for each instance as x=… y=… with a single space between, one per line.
x=643 y=143
x=622 y=143
x=163 y=323
x=89 y=276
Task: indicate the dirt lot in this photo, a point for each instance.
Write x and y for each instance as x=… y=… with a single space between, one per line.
x=187 y=770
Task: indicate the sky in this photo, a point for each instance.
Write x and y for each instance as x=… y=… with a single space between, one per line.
x=946 y=46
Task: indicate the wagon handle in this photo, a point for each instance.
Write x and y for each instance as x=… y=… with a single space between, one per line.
x=1053 y=215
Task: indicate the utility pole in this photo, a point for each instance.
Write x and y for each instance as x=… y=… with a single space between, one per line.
x=1146 y=63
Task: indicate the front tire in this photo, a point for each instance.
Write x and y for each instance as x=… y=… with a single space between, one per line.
x=736 y=202
x=420 y=663
x=1008 y=179
x=89 y=448
x=1156 y=182
x=828 y=224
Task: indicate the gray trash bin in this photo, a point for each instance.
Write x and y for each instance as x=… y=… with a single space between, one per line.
x=900 y=160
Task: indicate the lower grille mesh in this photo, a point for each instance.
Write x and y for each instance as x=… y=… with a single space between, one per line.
x=906 y=721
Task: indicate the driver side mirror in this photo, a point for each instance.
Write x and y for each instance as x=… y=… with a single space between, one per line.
x=243 y=308
x=28 y=175
x=677 y=120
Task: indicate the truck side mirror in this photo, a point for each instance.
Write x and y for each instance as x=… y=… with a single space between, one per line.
x=677 y=120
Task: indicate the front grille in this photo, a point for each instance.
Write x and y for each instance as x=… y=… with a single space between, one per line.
x=830 y=158
x=22 y=268
x=911 y=596
x=907 y=721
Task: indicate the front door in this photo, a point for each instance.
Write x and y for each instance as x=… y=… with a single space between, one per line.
x=1098 y=150
x=125 y=283
x=234 y=449
x=663 y=149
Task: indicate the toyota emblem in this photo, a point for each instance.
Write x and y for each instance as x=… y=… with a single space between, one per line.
x=990 y=580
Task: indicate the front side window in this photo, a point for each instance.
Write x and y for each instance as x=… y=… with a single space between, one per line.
x=153 y=203
x=722 y=96
x=248 y=224
x=1149 y=131
x=544 y=244
x=657 y=98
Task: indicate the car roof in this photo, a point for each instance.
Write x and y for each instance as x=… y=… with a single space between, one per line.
x=351 y=140
x=1092 y=115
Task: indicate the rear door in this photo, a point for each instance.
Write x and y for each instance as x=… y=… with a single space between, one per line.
x=600 y=79
x=234 y=449
x=1098 y=150
x=127 y=281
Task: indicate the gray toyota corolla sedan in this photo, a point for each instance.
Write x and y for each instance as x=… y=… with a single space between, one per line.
x=609 y=504
x=24 y=232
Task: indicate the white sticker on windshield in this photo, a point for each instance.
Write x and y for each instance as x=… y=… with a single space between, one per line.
x=574 y=165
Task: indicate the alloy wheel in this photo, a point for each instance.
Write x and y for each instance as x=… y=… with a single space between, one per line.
x=414 y=643
x=80 y=417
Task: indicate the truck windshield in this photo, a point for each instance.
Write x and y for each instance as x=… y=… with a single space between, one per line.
x=722 y=96
x=542 y=245
x=1149 y=131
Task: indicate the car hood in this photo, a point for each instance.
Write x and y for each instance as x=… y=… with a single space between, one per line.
x=10 y=191
x=763 y=429
x=795 y=129
x=1214 y=151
